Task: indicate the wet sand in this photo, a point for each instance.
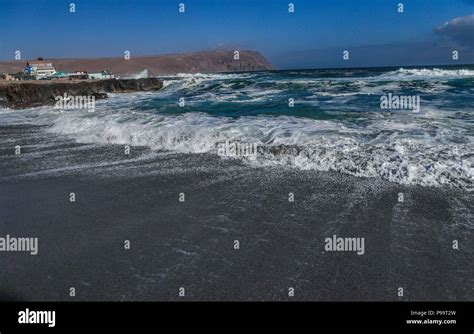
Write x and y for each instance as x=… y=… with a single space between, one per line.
x=190 y=244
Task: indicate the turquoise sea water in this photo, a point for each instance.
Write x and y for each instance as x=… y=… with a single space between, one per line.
x=336 y=122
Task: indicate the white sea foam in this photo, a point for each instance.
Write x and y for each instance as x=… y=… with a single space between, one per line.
x=423 y=72
x=140 y=75
x=190 y=80
x=431 y=148
x=243 y=87
x=404 y=152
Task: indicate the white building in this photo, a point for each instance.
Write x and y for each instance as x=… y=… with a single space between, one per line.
x=41 y=69
x=101 y=75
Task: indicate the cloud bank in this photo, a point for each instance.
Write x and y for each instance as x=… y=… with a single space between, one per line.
x=459 y=30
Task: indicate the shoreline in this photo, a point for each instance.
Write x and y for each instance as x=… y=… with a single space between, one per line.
x=28 y=94
x=190 y=244
x=135 y=196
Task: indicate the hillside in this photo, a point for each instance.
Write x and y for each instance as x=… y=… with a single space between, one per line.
x=204 y=62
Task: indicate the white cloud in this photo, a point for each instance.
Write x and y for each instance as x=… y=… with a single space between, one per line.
x=460 y=30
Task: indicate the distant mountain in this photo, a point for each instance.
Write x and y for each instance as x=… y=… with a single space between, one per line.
x=204 y=62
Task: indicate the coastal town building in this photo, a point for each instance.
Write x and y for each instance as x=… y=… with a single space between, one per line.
x=44 y=70
x=39 y=69
x=101 y=75
x=78 y=75
x=59 y=75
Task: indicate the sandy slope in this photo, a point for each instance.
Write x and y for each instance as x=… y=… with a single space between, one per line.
x=205 y=61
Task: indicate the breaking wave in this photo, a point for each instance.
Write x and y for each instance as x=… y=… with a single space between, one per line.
x=336 y=123
x=140 y=75
x=434 y=72
x=387 y=149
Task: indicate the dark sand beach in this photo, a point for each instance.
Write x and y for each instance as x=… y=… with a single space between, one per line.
x=191 y=244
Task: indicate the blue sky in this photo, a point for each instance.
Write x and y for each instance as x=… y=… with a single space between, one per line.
x=313 y=36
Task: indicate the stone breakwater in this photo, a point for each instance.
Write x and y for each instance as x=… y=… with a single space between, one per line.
x=19 y=95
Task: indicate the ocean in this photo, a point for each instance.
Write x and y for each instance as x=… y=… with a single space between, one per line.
x=335 y=123
x=320 y=135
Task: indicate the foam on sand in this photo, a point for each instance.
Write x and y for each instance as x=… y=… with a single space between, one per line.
x=398 y=153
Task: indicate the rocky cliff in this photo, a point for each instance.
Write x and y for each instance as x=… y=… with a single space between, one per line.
x=27 y=94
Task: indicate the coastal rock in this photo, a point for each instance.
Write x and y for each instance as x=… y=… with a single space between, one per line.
x=32 y=94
